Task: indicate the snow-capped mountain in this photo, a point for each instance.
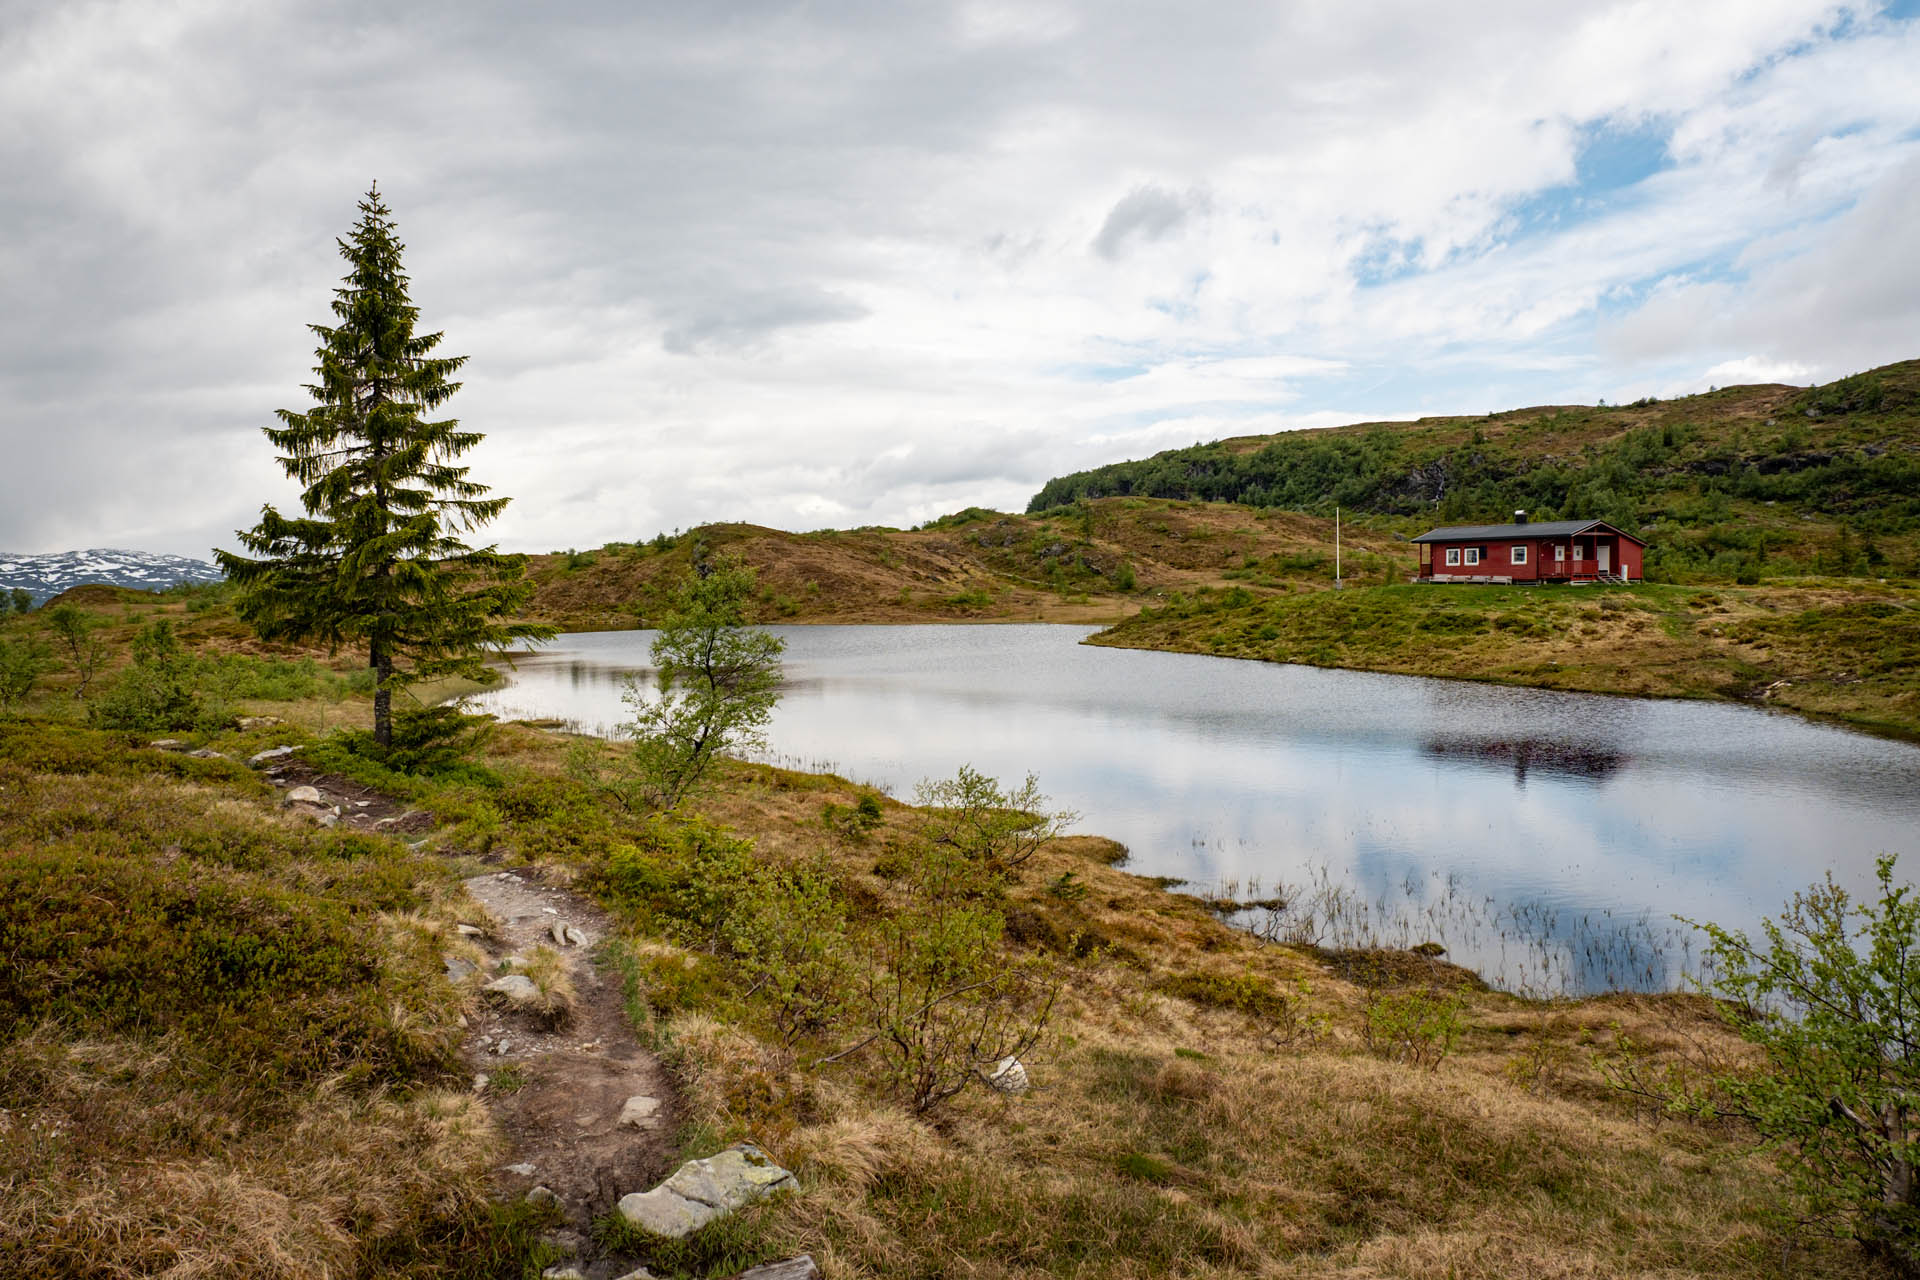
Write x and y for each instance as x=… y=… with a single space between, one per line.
x=49 y=575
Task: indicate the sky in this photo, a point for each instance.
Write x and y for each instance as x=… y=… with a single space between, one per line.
x=830 y=265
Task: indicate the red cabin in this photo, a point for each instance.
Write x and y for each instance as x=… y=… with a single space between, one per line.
x=1552 y=551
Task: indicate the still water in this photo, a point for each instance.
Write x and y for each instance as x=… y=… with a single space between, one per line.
x=1546 y=839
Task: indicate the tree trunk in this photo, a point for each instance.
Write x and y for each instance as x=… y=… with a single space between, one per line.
x=382 y=663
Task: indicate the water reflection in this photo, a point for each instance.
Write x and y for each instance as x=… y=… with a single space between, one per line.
x=1256 y=777
x=1595 y=762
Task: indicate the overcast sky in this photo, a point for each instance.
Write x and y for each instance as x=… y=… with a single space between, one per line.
x=818 y=265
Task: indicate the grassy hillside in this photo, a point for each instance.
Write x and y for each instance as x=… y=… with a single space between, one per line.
x=1095 y=561
x=1848 y=652
x=1758 y=479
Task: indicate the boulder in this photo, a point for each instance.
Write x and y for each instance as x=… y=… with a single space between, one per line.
x=270 y=755
x=304 y=795
x=518 y=989
x=701 y=1191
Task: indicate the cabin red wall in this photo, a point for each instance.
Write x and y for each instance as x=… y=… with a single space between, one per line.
x=1498 y=563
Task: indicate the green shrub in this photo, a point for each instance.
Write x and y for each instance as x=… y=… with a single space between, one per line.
x=160 y=691
x=1417 y=1027
x=1829 y=999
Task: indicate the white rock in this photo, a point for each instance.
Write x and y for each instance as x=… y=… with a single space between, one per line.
x=550 y=911
x=518 y=988
x=543 y=1195
x=702 y=1190
x=270 y=755
x=567 y=1272
x=304 y=795
x=524 y=1170
x=638 y=1112
x=558 y=932
x=167 y=744
x=1009 y=1076
x=480 y=1081
x=576 y=937
x=796 y=1268
x=500 y=1050
x=327 y=819
x=638 y=1273
x=206 y=753
x=468 y=931
x=247 y=723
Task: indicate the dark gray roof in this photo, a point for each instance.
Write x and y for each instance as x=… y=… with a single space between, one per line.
x=1541 y=529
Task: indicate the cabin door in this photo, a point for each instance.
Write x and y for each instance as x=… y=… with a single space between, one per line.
x=1604 y=552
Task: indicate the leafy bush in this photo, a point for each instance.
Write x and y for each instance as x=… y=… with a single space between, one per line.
x=1416 y=1027
x=160 y=691
x=970 y=814
x=1831 y=999
x=22 y=662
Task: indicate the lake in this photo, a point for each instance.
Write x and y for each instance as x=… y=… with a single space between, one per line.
x=1546 y=839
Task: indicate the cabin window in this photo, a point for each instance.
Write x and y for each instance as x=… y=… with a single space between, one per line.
x=1453 y=555
x=1519 y=555
x=1473 y=555
x=1559 y=553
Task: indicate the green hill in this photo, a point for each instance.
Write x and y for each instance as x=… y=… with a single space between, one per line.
x=1824 y=478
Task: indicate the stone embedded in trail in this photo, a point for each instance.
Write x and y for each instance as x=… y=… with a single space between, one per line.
x=638 y=1113
x=270 y=755
x=206 y=753
x=524 y=1170
x=457 y=969
x=701 y=1191
x=800 y=1268
x=304 y=795
x=469 y=930
x=518 y=988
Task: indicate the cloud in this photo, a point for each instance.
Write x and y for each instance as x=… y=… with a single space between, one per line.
x=1145 y=213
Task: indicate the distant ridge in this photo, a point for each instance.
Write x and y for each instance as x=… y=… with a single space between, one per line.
x=45 y=576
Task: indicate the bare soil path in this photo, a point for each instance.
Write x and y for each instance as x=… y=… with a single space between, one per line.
x=587 y=1111
x=559 y=1091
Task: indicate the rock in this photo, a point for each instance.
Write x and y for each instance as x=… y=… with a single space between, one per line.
x=304 y=795
x=576 y=937
x=1009 y=1076
x=638 y=1112
x=701 y=1191
x=500 y=1050
x=249 y=723
x=270 y=755
x=206 y=753
x=167 y=744
x=558 y=932
x=543 y=1195
x=327 y=819
x=518 y=989
x=469 y=931
x=638 y=1273
x=480 y=1081
x=569 y=1243
x=800 y=1268
x=567 y=1272
x=524 y=1170
x=458 y=970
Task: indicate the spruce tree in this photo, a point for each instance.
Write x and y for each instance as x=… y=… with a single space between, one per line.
x=377 y=557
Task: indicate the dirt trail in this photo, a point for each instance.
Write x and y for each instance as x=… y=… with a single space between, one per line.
x=556 y=1089
x=558 y=1092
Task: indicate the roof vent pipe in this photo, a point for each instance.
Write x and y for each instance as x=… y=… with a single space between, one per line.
x=1519 y=517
